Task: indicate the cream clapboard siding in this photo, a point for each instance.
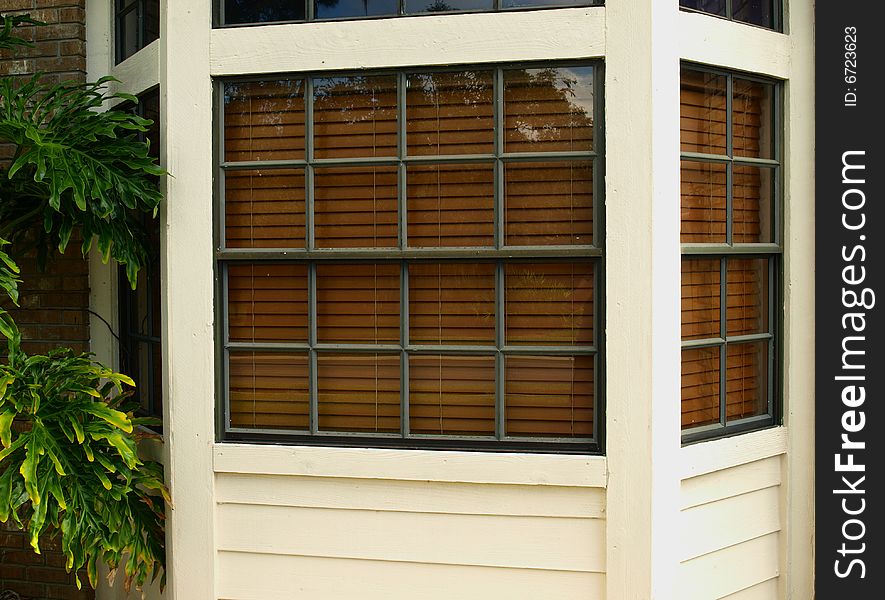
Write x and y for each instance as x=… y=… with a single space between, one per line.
x=335 y=531
x=731 y=522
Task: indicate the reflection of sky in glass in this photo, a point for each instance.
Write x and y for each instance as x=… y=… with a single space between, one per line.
x=421 y=6
x=263 y=11
x=580 y=82
x=337 y=9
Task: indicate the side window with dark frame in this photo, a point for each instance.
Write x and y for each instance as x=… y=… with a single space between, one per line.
x=732 y=251
x=136 y=24
x=412 y=258
x=139 y=309
x=764 y=13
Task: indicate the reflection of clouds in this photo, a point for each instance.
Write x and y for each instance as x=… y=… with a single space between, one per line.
x=580 y=82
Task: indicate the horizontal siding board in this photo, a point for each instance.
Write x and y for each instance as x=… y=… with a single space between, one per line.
x=481 y=540
x=767 y=590
x=737 y=480
x=710 y=527
x=730 y=570
x=715 y=455
x=410 y=496
x=243 y=576
x=412 y=465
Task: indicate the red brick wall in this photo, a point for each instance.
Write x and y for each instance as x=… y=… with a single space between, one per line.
x=54 y=302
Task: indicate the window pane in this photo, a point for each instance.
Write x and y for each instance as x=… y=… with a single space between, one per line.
x=431 y=6
x=747 y=391
x=264 y=208
x=703 y=112
x=268 y=390
x=449 y=113
x=151 y=21
x=756 y=12
x=703 y=189
x=337 y=9
x=358 y=392
x=753 y=114
x=358 y=303
x=701 y=299
x=354 y=116
x=548 y=110
x=267 y=302
x=530 y=3
x=714 y=7
x=451 y=205
x=549 y=303
x=548 y=203
x=262 y=11
x=452 y=303
x=127 y=35
x=355 y=207
x=264 y=120
x=549 y=396
x=700 y=386
x=753 y=190
x=747 y=310
x=452 y=395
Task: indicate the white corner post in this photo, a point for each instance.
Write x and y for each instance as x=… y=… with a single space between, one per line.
x=187 y=303
x=799 y=333
x=642 y=298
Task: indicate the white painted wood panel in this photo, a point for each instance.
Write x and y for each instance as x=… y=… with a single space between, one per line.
x=730 y=570
x=728 y=522
x=274 y=577
x=738 y=480
x=410 y=496
x=767 y=590
x=498 y=541
x=412 y=465
x=408 y=41
x=724 y=453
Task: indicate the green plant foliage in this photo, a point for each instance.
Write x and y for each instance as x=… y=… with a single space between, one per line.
x=69 y=465
x=75 y=167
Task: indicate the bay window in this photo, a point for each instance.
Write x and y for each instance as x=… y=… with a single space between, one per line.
x=412 y=258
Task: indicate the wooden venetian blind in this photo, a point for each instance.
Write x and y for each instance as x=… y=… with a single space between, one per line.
x=436 y=330
x=736 y=369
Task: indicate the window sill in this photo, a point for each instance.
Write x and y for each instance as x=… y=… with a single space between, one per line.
x=413 y=465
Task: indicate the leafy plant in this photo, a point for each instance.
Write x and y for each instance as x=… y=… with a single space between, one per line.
x=75 y=167
x=69 y=464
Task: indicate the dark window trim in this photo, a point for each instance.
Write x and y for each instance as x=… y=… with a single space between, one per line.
x=218 y=13
x=777 y=9
x=591 y=253
x=774 y=251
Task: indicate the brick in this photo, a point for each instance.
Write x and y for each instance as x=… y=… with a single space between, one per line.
x=12 y=572
x=22 y=557
x=71 y=15
x=60 y=64
x=48 y=575
x=32 y=591
x=12 y=540
x=70 y=592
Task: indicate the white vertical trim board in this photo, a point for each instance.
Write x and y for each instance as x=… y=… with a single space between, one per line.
x=799 y=282
x=187 y=301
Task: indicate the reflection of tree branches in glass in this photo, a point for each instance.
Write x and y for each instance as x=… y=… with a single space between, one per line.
x=358 y=98
x=559 y=92
x=438 y=6
x=262 y=11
